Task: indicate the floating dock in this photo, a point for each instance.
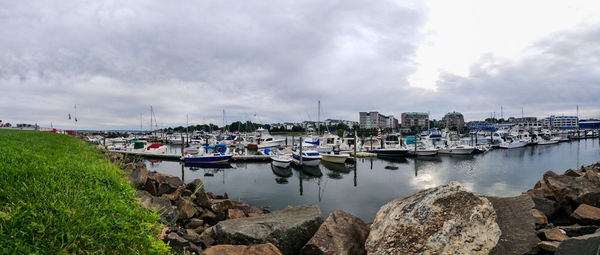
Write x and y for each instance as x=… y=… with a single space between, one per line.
x=176 y=157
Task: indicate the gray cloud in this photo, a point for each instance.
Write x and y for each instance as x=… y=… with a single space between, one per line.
x=276 y=59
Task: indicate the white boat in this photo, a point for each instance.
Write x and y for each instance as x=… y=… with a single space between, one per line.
x=511 y=142
x=457 y=150
x=540 y=140
x=309 y=158
x=335 y=158
x=282 y=160
x=264 y=140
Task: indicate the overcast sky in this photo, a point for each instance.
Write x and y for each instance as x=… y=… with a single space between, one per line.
x=271 y=61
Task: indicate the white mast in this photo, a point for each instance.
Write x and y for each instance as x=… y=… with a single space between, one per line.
x=319 y=118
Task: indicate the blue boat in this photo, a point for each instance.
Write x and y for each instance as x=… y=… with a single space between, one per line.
x=212 y=154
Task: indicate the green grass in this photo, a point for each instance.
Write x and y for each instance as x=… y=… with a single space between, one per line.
x=61 y=195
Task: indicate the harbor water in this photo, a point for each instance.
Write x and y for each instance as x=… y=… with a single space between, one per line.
x=362 y=188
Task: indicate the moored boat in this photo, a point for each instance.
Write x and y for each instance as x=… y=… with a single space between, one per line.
x=309 y=158
x=335 y=158
x=282 y=161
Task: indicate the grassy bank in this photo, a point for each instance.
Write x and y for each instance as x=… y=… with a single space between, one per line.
x=61 y=195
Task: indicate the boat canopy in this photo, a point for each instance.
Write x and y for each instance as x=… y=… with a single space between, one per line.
x=138 y=144
x=312 y=154
x=154 y=146
x=410 y=139
x=315 y=143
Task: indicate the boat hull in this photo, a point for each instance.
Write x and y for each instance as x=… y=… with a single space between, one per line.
x=457 y=151
x=391 y=153
x=512 y=145
x=281 y=163
x=207 y=159
x=423 y=153
x=339 y=159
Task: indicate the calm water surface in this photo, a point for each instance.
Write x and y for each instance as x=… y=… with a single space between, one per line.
x=363 y=188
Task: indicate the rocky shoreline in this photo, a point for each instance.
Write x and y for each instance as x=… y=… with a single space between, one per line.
x=560 y=215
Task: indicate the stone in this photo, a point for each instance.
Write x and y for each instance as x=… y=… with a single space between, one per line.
x=235 y=214
x=545 y=205
x=162 y=206
x=554 y=234
x=194 y=223
x=571 y=191
x=539 y=218
x=145 y=198
x=593 y=177
x=192 y=236
x=549 y=246
x=151 y=187
x=446 y=219
x=209 y=217
x=256 y=249
x=581 y=245
x=251 y=211
x=341 y=233
x=169 y=185
x=175 y=196
x=577 y=230
x=572 y=173
x=202 y=199
x=220 y=205
x=587 y=215
x=199 y=230
x=516 y=224
x=185 y=209
x=288 y=229
x=195 y=184
x=208 y=236
x=175 y=240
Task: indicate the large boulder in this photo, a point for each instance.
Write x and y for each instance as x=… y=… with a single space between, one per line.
x=341 y=233
x=516 y=223
x=581 y=245
x=256 y=249
x=542 y=203
x=577 y=230
x=570 y=191
x=288 y=229
x=587 y=215
x=161 y=205
x=447 y=219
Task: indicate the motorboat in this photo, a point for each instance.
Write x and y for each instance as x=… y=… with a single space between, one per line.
x=211 y=154
x=281 y=160
x=264 y=140
x=419 y=148
x=335 y=158
x=541 y=140
x=453 y=145
x=309 y=158
x=511 y=142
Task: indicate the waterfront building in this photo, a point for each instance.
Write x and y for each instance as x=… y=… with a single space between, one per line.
x=417 y=119
x=589 y=124
x=554 y=121
x=331 y=122
x=454 y=120
x=376 y=120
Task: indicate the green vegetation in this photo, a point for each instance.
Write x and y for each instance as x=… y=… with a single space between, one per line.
x=61 y=195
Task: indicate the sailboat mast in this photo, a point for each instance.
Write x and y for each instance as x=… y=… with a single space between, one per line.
x=319 y=119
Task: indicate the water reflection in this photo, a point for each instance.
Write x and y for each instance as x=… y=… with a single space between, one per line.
x=497 y=173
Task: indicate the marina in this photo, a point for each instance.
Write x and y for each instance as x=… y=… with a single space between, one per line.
x=372 y=182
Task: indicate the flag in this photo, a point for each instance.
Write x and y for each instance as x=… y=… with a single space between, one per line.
x=379 y=133
x=75 y=119
x=69 y=116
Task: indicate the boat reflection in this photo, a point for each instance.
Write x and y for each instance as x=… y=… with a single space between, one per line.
x=309 y=171
x=197 y=166
x=336 y=167
x=282 y=172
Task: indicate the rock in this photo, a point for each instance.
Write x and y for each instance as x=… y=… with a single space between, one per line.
x=199 y=230
x=593 y=177
x=138 y=177
x=115 y=157
x=211 y=195
x=185 y=209
x=251 y=211
x=577 y=230
x=549 y=246
x=571 y=191
x=545 y=205
x=288 y=229
x=163 y=207
x=194 y=223
x=192 y=236
x=256 y=249
x=175 y=196
x=209 y=217
x=202 y=199
x=169 y=185
x=235 y=214
x=581 y=245
x=444 y=220
x=572 y=173
x=175 y=240
x=220 y=205
x=145 y=199
x=341 y=233
x=516 y=224
x=587 y=215
x=208 y=236
x=554 y=234
x=195 y=184
x=151 y=187
x=539 y=218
